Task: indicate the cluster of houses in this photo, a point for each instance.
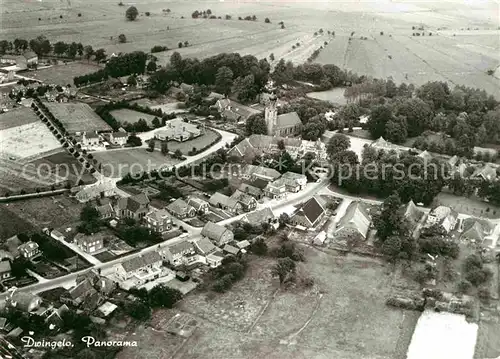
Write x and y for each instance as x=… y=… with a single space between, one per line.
x=93 y=140
x=257 y=145
x=19 y=62
x=15 y=249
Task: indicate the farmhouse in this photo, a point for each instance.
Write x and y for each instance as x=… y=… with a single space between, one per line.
x=118 y=138
x=105 y=211
x=203 y=246
x=90 y=139
x=287 y=124
x=294 y=182
x=89 y=244
x=276 y=189
x=231 y=250
x=382 y=144
x=182 y=253
x=486 y=173
x=217 y=233
x=260 y=217
x=97 y=190
x=444 y=217
x=355 y=221
x=198 y=204
x=425 y=155
x=158 y=221
x=247 y=202
x=310 y=214
x=181 y=209
x=178 y=130
x=29 y=250
x=224 y=202
x=140 y=269
x=253 y=172
x=255 y=145
x=5 y=270
x=475 y=230
x=233 y=111
x=135 y=207
x=412 y=213
x=251 y=190
x=23 y=301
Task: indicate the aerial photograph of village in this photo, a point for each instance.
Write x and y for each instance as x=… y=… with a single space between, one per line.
x=250 y=179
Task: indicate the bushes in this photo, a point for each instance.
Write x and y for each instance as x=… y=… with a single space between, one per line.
x=158 y=48
x=232 y=270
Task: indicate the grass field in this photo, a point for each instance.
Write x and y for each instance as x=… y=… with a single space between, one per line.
x=121 y=162
x=124 y=115
x=17 y=117
x=63 y=74
x=50 y=212
x=335 y=96
x=342 y=316
x=77 y=117
x=453 y=53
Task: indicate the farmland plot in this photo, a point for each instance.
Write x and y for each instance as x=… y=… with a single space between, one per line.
x=64 y=74
x=124 y=115
x=77 y=117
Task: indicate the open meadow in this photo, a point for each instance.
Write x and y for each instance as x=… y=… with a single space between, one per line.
x=342 y=316
x=124 y=115
x=464 y=44
x=63 y=74
x=118 y=163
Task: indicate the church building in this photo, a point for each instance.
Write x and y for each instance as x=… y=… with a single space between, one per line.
x=285 y=125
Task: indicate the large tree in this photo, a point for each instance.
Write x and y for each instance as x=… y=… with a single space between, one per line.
x=131 y=13
x=224 y=80
x=338 y=143
x=256 y=125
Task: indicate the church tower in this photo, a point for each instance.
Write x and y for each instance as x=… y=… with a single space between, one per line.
x=271 y=115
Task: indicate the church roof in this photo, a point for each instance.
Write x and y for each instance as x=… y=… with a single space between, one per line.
x=288 y=120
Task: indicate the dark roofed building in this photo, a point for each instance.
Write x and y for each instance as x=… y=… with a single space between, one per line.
x=135 y=207
x=309 y=214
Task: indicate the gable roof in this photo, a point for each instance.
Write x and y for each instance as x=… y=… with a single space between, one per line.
x=425 y=155
x=180 y=247
x=105 y=210
x=204 y=246
x=288 y=120
x=263 y=215
x=178 y=206
x=242 y=197
x=5 y=266
x=259 y=183
x=412 y=212
x=487 y=172
x=474 y=231
x=230 y=249
x=196 y=202
x=29 y=55
x=141 y=261
x=251 y=190
x=356 y=218
x=312 y=210
x=219 y=198
x=213 y=231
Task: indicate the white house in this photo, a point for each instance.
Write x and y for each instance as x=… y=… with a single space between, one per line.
x=140 y=270
x=118 y=138
x=182 y=253
x=443 y=216
x=90 y=139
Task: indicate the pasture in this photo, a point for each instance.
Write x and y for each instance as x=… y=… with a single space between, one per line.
x=77 y=117
x=118 y=163
x=456 y=51
x=17 y=117
x=335 y=96
x=63 y=74
x=343 y=315
x=124 y=115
